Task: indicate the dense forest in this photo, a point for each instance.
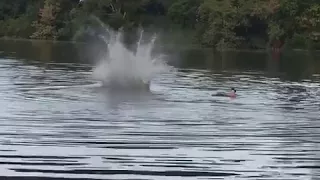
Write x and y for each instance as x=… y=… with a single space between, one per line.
x=247 y=24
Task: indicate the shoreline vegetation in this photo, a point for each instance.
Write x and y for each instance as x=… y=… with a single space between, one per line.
x=237 y=25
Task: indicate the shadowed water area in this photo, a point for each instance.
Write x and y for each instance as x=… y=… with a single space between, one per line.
x=56 y=122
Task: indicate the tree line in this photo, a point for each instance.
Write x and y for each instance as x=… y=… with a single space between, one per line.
x=250 y=24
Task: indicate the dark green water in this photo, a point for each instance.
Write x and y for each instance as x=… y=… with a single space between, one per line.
x=293 y=65
x=57 y=123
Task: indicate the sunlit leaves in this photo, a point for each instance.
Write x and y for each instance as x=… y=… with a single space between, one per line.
x=275 y=31
x=46 y=25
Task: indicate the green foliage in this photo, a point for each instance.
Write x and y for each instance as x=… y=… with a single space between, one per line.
x=275 y=31
x=16 y=17
x=184 y=12
x=294 y=17
x=223 y=22
x=17 y=28
x=46 y=25
x=221 y=19
x=214 y=23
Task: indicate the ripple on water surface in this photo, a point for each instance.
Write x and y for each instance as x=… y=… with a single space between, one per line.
x=58 y=124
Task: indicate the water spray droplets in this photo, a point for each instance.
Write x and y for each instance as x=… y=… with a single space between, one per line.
x=127 y=68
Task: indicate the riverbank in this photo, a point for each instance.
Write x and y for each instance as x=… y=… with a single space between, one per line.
x=167 y=46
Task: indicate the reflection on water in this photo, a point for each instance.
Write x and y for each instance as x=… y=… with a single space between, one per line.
x=58 y=123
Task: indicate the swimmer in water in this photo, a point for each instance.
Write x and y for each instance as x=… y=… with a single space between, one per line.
x=232 y=94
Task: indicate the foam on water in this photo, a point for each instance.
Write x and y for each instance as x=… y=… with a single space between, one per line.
x=125 y=68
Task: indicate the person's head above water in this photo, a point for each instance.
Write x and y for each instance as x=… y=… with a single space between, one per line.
x=233 y=93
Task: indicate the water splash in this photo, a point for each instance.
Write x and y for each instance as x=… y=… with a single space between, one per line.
x=125 y=68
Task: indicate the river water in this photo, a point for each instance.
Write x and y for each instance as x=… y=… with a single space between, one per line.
x=57 y=123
